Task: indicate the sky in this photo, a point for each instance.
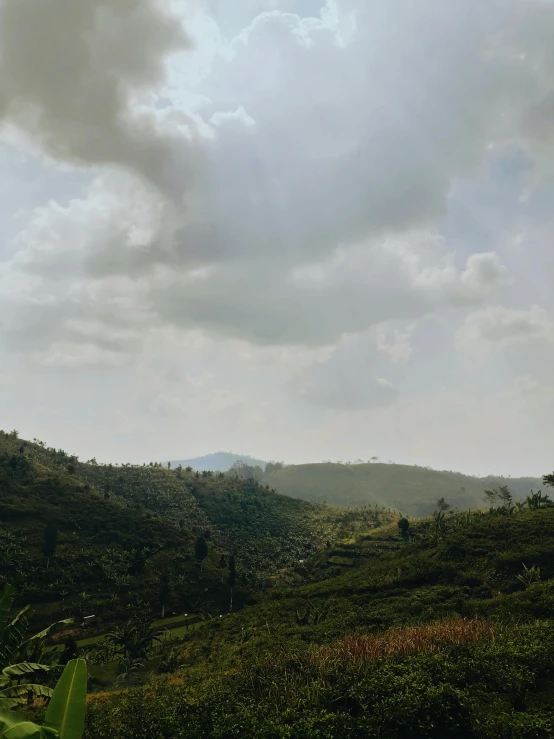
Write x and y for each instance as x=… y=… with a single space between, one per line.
x=298 y=230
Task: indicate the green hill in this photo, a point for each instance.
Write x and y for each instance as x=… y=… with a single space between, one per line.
x=425 y=638
x=342 y=623
x=409 y=489
x=125 y=535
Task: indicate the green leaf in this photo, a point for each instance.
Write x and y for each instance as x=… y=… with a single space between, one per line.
x=24 y=668
x=14 y=726
x=66 y=712
x=23 y=730
x=20 y=691
x=43 y=634
x=19 y=616
x=6 y=704
x=28 y=730
x=6 y=601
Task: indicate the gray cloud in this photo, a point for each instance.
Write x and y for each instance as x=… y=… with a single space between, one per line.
x=72 y=77
x=317 y=166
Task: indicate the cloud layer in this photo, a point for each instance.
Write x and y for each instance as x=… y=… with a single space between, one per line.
x=282 y=179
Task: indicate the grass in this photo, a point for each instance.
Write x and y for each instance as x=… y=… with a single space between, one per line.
x=401 y=641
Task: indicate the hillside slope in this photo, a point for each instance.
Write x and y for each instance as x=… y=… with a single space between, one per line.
x=126 y=535
x=434 y=638
x=409 y=489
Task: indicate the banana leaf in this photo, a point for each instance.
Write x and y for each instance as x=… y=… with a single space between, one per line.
x=6 y=601
x=14 y=726
x=66 y=711
x=48 y=630
x=15 y=695
x=24 y=668
x=17 y=691
x=32 y=648
x=19 y=616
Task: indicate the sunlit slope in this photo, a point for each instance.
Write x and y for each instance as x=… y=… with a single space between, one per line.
x=409 y=489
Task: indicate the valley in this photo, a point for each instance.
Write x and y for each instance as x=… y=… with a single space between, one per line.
x=220 y=607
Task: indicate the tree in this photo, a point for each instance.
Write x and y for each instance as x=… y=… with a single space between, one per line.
x=442 y=505
x=548 y=480
x=200 y=550
x=506 y=497
x=501 y=495
x=232 y=578
x=538 y=500
x=164 y=592
x=131 y=643
x=438 y=526
x=274 y=466
x=403 y=526
x=138 y=563
x=50 y=541
x=246 y=471
x=69 y=651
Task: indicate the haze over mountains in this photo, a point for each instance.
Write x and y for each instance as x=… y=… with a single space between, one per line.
x=411 y=489
x=218 y=462
x=407 y=488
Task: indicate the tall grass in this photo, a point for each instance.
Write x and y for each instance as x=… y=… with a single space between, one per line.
x=301 y=674
x=398 y=641
x=405 y=640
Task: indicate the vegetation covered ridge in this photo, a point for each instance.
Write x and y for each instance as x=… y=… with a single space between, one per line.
x=82 y=538
x=376 y=625
x=446 y=633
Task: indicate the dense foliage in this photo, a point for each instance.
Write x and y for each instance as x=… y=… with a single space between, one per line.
x=85 y=538
x=307 y=620
x=425 y=636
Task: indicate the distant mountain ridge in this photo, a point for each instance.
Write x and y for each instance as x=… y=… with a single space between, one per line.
x=218 y=462
x=411 y=489
x=407 y=488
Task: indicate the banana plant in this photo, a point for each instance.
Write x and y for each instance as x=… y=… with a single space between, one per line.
x=65 y=717
x=20 y=658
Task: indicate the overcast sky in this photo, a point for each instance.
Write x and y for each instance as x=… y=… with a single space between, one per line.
x=302 y=230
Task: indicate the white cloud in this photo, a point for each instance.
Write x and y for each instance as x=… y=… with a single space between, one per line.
x=261 y=194
x=504 y=326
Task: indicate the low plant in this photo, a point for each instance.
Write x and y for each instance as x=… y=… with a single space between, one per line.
x=530 y=575
x=65 y=716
